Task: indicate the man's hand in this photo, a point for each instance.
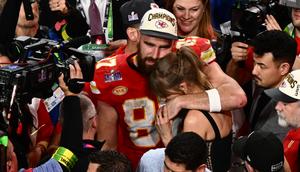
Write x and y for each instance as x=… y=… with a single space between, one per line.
x=239 y=51
x=75 y=73
x=172 y=107
x=58 y=5
x=164 y=125
x=271 y=23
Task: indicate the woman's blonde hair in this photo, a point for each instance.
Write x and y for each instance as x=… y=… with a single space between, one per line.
x=175 y=68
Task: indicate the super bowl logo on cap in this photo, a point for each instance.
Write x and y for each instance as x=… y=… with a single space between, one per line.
x=133 y=16
x=161 y=24
x=277 y=166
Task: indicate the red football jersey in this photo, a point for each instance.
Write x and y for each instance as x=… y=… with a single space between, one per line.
x=125 y=89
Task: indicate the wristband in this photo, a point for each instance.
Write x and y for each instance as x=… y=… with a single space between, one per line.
x=65 y=157
x=214 y=100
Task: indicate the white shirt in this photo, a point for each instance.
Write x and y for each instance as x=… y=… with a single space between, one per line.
x=101 y=4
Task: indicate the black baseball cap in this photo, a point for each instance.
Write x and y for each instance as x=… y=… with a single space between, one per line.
x=133 y=11
x=262 y=150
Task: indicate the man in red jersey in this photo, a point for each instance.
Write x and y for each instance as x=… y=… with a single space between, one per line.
x=131 y=14
x=125 y=104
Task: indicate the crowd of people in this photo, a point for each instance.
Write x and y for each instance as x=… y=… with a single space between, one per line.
x=160 y=101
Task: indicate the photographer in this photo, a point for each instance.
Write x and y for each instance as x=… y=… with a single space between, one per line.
x=31 y=129
x=44 y=121
x=79 y=124
x=241 y=64
x=79 y=128
x=274 y=55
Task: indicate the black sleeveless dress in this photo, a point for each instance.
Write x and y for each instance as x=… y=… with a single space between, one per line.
x=219 y=149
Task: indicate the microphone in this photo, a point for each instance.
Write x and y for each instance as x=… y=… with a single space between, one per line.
x=74 y=43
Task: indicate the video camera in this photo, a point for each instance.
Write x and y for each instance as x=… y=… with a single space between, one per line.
x=248 y=20
x=248 y=17
x=39 y=64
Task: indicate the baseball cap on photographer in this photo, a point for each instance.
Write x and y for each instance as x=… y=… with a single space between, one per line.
x=159 y=23
x=262 y=150
x=289 y=89
x=133 y=11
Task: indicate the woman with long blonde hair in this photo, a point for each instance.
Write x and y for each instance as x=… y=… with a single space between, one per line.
x=178 y=74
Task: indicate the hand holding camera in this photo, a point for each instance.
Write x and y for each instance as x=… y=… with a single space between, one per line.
x=239 y=51
x=75 y=74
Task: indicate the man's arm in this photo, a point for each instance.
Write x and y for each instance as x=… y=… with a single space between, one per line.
x=231 y=94
x=239 y=55
x=107 y=120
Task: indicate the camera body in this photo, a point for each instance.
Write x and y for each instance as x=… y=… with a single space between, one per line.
x=40 y=62
x=248 y=17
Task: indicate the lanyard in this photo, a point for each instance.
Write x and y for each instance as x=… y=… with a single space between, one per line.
x=107 y=23
x=110 y=23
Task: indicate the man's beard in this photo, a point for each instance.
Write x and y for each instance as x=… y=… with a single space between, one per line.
x=145 y=69
x=281 y=121
x=257 y=80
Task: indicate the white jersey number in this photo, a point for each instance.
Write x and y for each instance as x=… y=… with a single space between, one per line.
x=140 y=116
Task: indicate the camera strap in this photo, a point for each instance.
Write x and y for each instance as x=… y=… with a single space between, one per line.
x=108 y=21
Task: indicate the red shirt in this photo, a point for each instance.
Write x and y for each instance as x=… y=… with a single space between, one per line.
x=125 y=89
x=291 y=145
x=120 y=50
x=298 y=44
